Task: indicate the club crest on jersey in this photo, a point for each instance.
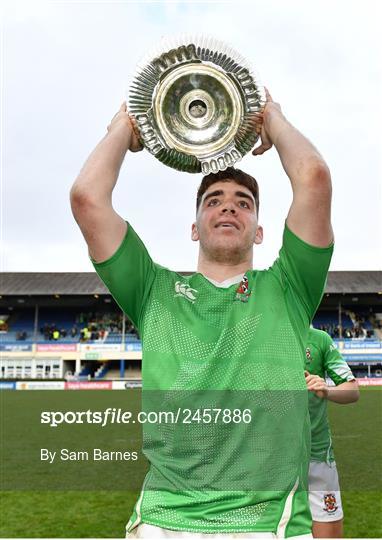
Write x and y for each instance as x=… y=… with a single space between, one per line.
x=308 y=354
x=242 y=292
x=182 y=289
x=330 y=503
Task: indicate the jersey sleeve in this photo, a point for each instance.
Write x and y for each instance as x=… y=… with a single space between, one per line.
x=129 y=275
x=334 y=364
x=304 y=270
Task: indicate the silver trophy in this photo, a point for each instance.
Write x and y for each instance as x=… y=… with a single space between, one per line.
x=194 y=100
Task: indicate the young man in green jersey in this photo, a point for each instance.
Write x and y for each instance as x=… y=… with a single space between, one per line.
x=226 y=338
x=324 y=360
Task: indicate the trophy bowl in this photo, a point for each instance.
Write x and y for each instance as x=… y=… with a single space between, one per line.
x=194 y=101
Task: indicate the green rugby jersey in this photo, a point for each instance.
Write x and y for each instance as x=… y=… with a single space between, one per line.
x=210 y=347
x=323 y=359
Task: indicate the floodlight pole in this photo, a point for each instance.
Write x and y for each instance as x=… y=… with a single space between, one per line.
x=123 y=327
x=340 y=319
x=122 y=362
x=35 y=323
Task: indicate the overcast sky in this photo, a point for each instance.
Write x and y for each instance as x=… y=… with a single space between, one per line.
x=66 y=68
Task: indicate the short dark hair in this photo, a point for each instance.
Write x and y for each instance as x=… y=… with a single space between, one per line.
x=229 y=175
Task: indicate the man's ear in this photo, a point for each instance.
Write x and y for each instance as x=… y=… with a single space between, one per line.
x=259 y=235
x=194 y=233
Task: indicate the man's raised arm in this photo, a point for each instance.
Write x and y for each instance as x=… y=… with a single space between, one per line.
x=91 y=193
x=309 y=214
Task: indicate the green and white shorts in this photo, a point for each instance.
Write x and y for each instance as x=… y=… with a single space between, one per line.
x=324 y=492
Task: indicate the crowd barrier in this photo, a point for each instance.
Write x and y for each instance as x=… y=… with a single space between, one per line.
x=112 y=385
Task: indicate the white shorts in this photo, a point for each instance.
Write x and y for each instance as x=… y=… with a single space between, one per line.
x=150 y=531
x=324 y=492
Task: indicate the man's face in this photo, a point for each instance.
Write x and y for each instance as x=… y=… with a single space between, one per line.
x=226 y=223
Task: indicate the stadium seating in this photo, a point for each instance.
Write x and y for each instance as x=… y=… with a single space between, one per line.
x=66 y=320
x=354 y=324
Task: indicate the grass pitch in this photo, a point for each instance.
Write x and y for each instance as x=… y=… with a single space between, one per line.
x=357 y=437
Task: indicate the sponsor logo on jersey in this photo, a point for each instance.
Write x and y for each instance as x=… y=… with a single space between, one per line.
x=243 y=292
x=184 y=290
x=330 y=503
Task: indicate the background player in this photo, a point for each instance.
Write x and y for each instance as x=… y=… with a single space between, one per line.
x=324 y=360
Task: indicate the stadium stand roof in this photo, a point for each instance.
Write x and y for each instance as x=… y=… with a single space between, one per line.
x=85 y=283
x=354 y=282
